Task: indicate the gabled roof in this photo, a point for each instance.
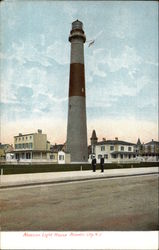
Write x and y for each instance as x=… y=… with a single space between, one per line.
x=152 y=143
x=115 y=142
x=56 y=148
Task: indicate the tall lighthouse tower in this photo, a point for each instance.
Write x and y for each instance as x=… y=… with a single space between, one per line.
x=77 y=128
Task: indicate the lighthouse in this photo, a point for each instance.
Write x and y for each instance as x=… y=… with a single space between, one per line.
x=76 y=143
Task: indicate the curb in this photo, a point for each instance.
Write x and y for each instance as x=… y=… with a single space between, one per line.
x=72 y=180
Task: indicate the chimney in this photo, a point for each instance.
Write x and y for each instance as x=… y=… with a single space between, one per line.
x=39 y=131
x=116 y=138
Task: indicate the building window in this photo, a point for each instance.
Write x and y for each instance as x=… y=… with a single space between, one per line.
x=26 y=145
x=111 y=148
x=61 y=157
x=121 y=156
x=16 y=156
x=26 y=137
x=23 y=138
x=19 y=139
x=52 y=157
x=114 y=156
x=105 y=156
x=15 y=146
x=20 y=145
x=99 y=156
x=129 y=148
x=30 y=145
x=30 y=137
x=102 y=148
x=28 y=156
x=122 y=148
x=152 y=148
x=129 y=156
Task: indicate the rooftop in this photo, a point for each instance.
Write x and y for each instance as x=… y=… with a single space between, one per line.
x=115 y=142
x=152 y=142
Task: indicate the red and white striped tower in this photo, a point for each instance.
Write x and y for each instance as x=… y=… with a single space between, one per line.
x=76 y=142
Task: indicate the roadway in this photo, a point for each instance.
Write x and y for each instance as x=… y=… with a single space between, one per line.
x=118 y=203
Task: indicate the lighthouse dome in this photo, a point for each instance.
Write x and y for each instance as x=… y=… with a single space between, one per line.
x=77 y=25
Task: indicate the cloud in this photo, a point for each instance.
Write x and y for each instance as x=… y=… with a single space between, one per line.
x=123 y=25
x=25 y=52
x=59 y=51
x=24 y=84
x=101 y=58
x=151 y=63
x=121 y=88
x=93 y=63
x=127 y=59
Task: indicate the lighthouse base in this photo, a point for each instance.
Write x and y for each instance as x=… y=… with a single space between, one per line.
x=76 y=143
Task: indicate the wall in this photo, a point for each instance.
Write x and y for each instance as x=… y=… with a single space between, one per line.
x=40 y=141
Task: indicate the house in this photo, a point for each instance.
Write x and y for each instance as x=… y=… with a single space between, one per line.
x=4 y=149
x=54 y=157
x=148 y=151
x=63 y=157
x=32 y=147
x=59 y=154
x=114 y=151
x=57 y=147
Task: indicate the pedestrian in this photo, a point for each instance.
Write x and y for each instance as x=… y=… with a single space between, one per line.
x=94 y=164
x=102 y=164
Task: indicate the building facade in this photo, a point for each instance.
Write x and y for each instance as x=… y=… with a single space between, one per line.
x=148 y=151
x=123 y=152
x=114 y=151
x=31 y=147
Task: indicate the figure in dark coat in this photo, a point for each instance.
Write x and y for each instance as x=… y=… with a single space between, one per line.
x=102 y=164
x=94 y=164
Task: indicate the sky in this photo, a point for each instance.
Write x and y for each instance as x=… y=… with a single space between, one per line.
x=121 y=68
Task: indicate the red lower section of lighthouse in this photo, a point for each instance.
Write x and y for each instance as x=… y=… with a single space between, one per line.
x=77 y=80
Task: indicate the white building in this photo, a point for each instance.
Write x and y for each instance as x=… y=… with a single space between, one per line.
x=63 y=157
x=114 y=151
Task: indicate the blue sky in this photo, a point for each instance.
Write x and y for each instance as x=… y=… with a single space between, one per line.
x=121 y=67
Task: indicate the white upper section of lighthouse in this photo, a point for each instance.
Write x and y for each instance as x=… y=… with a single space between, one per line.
x=77 y=32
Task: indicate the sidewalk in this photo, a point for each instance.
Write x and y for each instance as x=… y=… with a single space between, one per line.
x=59 y=177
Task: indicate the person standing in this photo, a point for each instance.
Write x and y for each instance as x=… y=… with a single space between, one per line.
x=94 y=164
x=102 y=164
